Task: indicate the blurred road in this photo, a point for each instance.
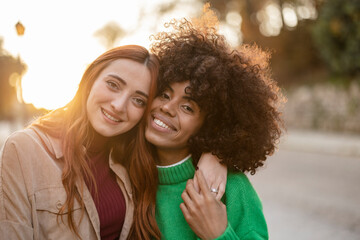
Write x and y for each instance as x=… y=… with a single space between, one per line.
x=311 y=191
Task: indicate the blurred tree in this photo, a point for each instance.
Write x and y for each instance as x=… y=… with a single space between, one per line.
x=281 y=26
x=109 y=34
x=11 y=69
x=337 y=36
x=284 y=28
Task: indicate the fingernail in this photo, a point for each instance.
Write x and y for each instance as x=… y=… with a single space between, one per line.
x=197 y=168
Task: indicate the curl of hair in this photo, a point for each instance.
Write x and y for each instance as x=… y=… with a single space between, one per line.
x=234 y=88
x=71 y=124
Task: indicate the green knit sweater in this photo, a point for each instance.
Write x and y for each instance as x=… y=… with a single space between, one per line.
x=244 y=210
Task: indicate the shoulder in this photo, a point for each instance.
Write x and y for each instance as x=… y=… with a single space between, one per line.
x=244 y=208
x=238 y=181
x=26 y=143
x=239 y=187
x=25 y=138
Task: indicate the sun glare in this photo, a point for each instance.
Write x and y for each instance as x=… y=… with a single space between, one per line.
x=59 y=43
x=59 y=40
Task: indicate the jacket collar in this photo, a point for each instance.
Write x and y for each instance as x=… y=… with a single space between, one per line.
x=52 y=143
x=121 y=172
x=54 y=146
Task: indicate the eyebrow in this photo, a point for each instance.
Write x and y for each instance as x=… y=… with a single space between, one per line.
x=187 y=97
x=142 y=93
x=123 y=82
x=118 y=78
x=170 y=88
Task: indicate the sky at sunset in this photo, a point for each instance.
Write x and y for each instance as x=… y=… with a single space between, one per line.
x=59 y=39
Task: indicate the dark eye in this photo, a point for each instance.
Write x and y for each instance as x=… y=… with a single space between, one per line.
x=164 y=95
x=112 y=85
x=188 y=108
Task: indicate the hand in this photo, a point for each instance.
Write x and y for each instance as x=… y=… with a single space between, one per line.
x=205 y=214
x=214 y=172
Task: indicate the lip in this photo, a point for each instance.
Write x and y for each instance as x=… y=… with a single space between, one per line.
x=105 y=112
x=164 y=120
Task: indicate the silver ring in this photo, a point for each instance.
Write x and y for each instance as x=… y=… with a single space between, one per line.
x=214 y=190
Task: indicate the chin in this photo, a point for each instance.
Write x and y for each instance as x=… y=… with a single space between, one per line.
x=154 y=140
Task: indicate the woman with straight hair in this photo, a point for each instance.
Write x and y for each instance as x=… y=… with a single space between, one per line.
x=67 y=175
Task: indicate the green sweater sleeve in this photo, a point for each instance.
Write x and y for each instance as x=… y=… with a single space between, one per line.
x=230 y=234
x=246 y=220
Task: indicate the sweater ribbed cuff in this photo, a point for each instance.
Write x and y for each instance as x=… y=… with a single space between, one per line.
x=229 y=234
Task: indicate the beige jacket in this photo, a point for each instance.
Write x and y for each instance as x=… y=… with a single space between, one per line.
x=31 y=192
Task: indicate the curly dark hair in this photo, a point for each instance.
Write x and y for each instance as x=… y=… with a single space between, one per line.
x=234 y=88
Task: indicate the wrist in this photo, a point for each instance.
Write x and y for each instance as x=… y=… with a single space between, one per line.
x=218 y=234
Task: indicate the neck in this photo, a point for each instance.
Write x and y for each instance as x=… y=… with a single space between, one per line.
x=171 y=156
x=98 y=143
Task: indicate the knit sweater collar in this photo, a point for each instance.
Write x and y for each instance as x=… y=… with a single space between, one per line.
x=177 y=174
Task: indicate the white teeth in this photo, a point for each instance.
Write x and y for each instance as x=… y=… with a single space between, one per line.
x=110 y=117
x=161 y=123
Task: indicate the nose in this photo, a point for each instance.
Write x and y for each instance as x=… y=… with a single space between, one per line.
x=119 y=103
x=169 y=108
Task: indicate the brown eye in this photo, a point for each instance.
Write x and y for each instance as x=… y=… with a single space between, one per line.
x=188 y=108
x=164 y=96
x=139 y=102
x=112 y=85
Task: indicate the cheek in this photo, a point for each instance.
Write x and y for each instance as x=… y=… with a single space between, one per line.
x=135 y=114
x=155 y=104
x=195 y=125
x=99 y=93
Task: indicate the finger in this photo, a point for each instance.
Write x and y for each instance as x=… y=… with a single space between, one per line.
x=190 y=205
x=190 y=189
x=213 y=187
x=221 y=191
x=204 y=188
x=186 y=198
x=196 y=184
x=185 y=211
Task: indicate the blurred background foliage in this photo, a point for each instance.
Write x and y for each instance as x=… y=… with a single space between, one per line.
x=315 y=47
x=11 y=70
x=336 y=35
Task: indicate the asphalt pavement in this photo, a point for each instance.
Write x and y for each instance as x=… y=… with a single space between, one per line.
x=310 y=188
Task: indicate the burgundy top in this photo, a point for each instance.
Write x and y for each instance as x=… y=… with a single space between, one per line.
x=110 y=201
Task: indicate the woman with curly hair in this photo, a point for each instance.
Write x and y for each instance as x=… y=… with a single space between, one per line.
x=210 y=98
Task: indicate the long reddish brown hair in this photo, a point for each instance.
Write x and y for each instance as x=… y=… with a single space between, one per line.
x=71 y=124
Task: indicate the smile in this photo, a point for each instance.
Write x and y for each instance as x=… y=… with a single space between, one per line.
x=109 y=116
x=161 y=123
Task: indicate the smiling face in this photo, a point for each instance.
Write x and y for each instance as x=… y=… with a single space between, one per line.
x=118 y=97
x=174 y=118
